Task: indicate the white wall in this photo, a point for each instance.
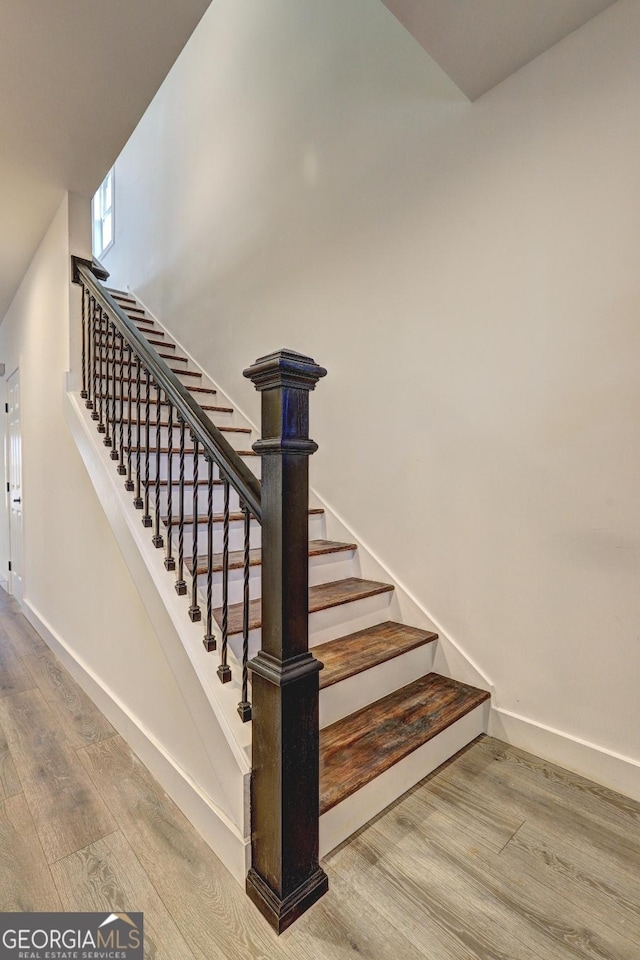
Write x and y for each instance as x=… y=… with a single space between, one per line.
x=77 y=588
x=307 y=177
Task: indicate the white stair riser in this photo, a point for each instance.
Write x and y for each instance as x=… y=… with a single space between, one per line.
x=181 y=370
x=203 y=495
x=253 y=463
x=236 y=438
x=236 y=534
x=345 y=818
x=216 y=416
x=239 y=440
x=347 y=696
x=173 y=359
x=348 y=617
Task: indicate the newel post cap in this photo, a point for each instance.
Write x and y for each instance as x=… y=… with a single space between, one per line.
x=285 y=368
x=96 y=268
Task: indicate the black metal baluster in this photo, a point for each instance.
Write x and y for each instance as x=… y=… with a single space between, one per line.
x=209 y=640
x=146 y=517
x=110 y=381
x=157 y=536
x=181 y=586
x=89 y=401
x=114 y=386
x=128 y=484
x=169 y=562
x=224 y=670
x=83 y=393
x=138 y=501
x=94 y=336
x=101 y=334
x=122 y=469
x=244 y=707
x=194 y=609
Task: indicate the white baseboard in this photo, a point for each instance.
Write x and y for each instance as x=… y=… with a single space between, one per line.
x=587 y=759
x=212 y=824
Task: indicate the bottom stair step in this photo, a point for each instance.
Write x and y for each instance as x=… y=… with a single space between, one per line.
x=359 y=748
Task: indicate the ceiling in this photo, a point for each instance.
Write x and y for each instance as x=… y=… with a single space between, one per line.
x=75 y=78
x=479 y=43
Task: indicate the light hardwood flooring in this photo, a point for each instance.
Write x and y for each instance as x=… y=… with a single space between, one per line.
x=497 y=856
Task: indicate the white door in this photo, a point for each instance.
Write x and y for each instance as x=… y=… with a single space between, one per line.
x=14 y=464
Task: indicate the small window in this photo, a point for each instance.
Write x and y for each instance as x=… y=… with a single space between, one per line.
x=103 y=219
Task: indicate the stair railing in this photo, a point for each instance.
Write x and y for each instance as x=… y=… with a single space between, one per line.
x=126 y=385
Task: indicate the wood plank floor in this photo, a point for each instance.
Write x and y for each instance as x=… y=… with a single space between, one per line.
x=496 y=856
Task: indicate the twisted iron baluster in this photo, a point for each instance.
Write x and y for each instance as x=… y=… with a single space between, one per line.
x=114 y=386
x=194 y=609
x=181 y=586
x=129 y=484
x=169 y=562
x=89 y=401
x=209 y=640
x=121 y=465
x=146 y=517
x=101 y=426
x=157 y=536
x=109 y=380
x=224 y=670
x=83 y=392
x=138 y=501
x=94 y=336
x=244 y=707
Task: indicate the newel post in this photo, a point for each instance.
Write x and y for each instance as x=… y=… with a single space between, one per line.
x=285 y=877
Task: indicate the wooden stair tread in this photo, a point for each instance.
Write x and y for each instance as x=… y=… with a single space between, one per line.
x=359 y=651
x=355 y=750
x=176 y=426
x=163 y=403
x=187 y=450
x=190 y=387
x=177 y=370
x=121 y=295
x=187 y=483
x=185 y=373
x=234 y=515
x=317 y=548
x=173 y=356
x=321 y=597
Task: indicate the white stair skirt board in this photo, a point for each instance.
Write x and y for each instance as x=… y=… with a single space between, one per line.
x=348 y=816
x=347 y=696
x=213 y=704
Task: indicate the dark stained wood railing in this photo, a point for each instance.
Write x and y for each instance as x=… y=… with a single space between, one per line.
x=123 y=378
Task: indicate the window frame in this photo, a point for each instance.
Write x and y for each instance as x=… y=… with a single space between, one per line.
x=100 y=212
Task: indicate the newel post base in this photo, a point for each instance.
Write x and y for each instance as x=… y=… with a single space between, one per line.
x=285 y=878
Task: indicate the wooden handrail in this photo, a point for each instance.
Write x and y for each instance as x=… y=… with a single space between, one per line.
x=209 y=437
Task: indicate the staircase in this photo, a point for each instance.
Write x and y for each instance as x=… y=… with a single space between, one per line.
x=386 y=719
